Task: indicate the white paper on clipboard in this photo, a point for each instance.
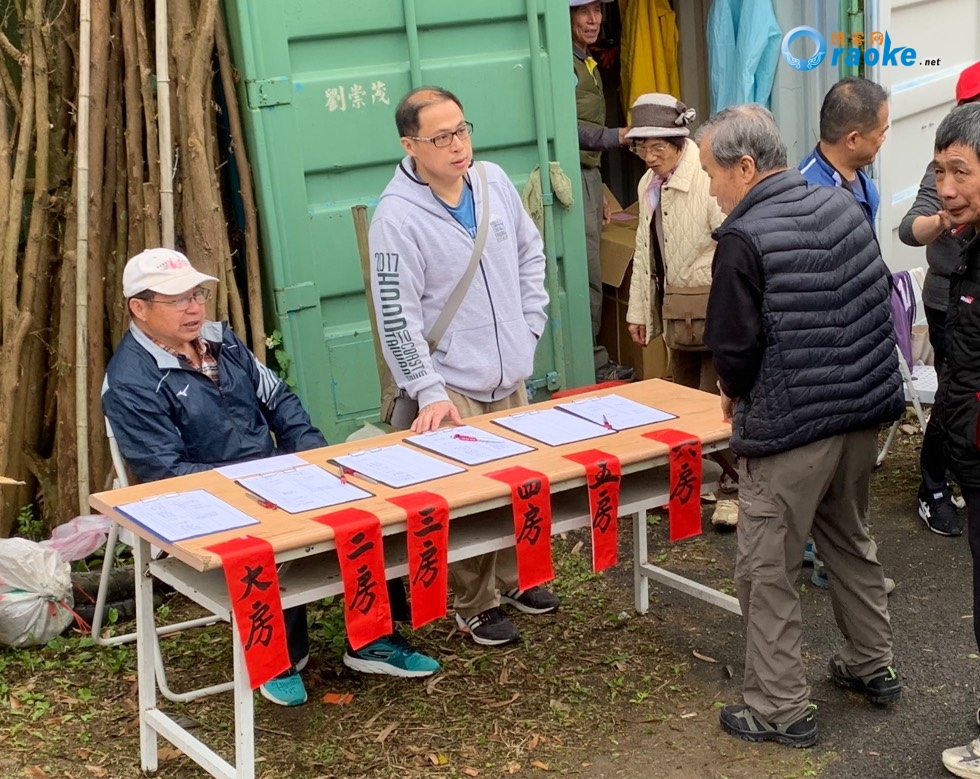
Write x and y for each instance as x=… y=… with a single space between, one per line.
x=616 y=412
x=552 y=427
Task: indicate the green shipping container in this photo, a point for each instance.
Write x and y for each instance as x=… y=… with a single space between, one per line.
x=319 y=84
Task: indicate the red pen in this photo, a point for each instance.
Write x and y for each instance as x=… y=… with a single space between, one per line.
x=266 y=504
x=464 y=437
x=343 y=474
x=605 y=423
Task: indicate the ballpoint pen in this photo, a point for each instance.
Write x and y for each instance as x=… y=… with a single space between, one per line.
x=605 y=423
x=266 y=504
x=343 y=474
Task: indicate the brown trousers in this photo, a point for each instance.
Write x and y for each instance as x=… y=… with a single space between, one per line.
x=822 y=488
x=694 y=369
x=477 y=582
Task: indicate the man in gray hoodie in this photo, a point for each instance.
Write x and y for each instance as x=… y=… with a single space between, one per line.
x=421 y=239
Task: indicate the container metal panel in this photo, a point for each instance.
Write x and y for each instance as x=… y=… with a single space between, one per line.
x=319 y=85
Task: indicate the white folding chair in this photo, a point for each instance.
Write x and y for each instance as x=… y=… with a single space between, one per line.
x=98 y=618
x=920 y=381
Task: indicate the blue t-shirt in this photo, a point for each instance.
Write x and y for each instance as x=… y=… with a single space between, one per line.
x=465 y=211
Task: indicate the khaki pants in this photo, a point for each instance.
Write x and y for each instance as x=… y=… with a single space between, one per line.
x=477 y=582
x=593 y=203
x=822 y=488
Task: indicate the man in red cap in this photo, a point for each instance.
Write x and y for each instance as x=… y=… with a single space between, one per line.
x=928 y=224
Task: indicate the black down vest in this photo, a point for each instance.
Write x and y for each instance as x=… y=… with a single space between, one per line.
x=829 y=364
x=959 y=406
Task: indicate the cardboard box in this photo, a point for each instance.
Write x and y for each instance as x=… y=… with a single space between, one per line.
x=616 y=257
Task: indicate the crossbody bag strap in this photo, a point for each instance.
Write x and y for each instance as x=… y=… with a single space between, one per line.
x=462 y=287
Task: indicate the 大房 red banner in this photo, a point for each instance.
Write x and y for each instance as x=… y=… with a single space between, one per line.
x=531 y=495
x=428 y=549
x=367 y=610
x=685 y=481
x=603 y=475
x=253 y=589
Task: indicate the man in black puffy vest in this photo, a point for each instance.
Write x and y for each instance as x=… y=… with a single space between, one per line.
x=800 y=328
x=957 y=166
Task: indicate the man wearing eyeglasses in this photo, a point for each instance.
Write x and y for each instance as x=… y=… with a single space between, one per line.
x=185 y=395
x=423 y=239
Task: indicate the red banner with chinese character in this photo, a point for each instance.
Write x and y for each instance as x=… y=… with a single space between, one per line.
x=428 y=550
x=360 y=551
x=603 y=475
x=685 y=481
x=253 y=589
x=531 y=494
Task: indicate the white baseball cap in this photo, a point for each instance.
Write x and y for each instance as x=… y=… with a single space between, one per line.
x=166 y=271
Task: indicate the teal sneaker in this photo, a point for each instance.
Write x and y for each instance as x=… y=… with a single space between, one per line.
x=391 y=655
x=285 y=690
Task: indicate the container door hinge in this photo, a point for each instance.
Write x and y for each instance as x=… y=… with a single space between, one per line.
x=265 y=92
x=297 y=298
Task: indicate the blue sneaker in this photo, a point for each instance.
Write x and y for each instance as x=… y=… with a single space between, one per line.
x=391 y=655
x=285 y=690
x=820 y=577
x=808 y=552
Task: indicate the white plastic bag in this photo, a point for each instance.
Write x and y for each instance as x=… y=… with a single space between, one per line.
x=35 y=593
x=80 y=537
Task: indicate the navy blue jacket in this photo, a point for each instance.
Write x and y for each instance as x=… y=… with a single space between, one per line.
x=817 y=170
x=171 y=420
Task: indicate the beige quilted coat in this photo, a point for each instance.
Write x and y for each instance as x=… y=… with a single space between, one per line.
x=688 y=214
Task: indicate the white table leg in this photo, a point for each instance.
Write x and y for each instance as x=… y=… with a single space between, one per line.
x=641 y=585
x=244 y=711
x=145 y=644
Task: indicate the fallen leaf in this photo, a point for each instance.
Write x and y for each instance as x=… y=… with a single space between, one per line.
x=96 y=770
x=438 y=759
x=705 y=658
x=338 y=698
x=36 y=772
x=387 y=732
x=533 y=743
x=542 y=766
x=467 y=771
x=512 y=767
x=578 y=547
x=168 y=753
x=430 y=686
x=504 y=676
x=501 y=704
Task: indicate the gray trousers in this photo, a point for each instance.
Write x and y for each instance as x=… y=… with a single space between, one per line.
x=822 y=488
x=476 y=583
x=592 y=202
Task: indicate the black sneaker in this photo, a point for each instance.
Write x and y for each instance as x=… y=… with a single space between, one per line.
x=536 y=600
x=881 y=687
x=489 y=628
x=742 y=722
x=613 y=371
x=939 y=513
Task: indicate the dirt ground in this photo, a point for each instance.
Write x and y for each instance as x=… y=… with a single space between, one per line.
x=594 y=691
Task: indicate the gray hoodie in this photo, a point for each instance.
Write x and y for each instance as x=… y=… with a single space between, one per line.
x=418 y=254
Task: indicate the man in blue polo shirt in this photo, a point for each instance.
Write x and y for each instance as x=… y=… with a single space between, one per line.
x=853 y=123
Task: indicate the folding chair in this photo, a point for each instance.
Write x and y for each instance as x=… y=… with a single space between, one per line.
x=121 y=480
x=920 y=381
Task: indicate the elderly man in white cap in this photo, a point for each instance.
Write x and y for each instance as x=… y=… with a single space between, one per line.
x=185 y=395
x=593 y=138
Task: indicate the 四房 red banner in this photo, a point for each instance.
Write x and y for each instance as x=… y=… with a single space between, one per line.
x=531 y=496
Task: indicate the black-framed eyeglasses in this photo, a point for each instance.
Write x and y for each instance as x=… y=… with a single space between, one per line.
x=642 y=151
x=443 y=140
x=199 y=296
